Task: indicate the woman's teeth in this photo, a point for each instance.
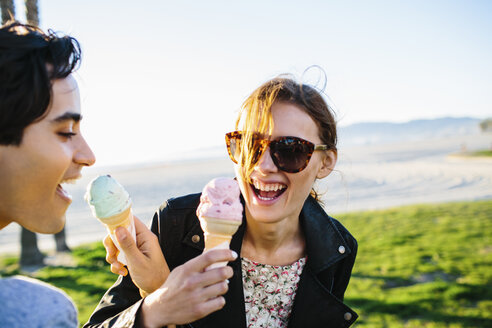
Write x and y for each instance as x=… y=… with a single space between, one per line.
x=268 y=191
x=268 y=187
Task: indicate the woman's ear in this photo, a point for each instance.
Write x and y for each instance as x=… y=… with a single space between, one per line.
x=328 y=164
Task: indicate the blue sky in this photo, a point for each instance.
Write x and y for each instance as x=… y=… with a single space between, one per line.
x=162 y=78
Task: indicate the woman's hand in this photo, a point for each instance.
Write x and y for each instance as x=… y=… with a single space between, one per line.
x=146 y=263
x=190 y=292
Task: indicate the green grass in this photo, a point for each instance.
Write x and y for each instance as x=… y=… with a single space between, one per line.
x=418 y=266
x=423 y=266
x=476 y=153
x=482 y=153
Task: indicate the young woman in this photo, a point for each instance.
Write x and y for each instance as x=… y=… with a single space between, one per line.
x=295 y=261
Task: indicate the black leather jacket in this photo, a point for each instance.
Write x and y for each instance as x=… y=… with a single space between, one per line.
x=330 y=249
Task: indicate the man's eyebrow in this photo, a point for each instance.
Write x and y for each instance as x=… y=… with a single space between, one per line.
x=67 y=117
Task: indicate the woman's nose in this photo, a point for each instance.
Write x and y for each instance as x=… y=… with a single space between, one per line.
x=265 y=163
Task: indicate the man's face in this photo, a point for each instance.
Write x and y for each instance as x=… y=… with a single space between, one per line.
x=52 y=152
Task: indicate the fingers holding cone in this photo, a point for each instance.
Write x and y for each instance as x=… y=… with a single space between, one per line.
x=112 y=257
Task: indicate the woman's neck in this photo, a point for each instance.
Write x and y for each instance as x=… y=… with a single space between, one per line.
x=279 y=243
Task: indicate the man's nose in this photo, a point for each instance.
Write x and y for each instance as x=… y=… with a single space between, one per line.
x=84 y=155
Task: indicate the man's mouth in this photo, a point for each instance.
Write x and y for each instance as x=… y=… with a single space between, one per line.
x=268 y=191
x=63 y=193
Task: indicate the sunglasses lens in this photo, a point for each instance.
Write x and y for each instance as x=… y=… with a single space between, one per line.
x=235 y=144
x=290 y=155
x=234 y=148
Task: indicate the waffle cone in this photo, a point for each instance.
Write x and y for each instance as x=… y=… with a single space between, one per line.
x=121 y=219
x=217 y=231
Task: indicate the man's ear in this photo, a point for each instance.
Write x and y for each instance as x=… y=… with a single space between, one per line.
x=328 y=164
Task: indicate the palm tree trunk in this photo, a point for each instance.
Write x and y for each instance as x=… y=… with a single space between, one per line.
x=61 y=242
x=32 y=12
x=8 y=10
x=30 y=254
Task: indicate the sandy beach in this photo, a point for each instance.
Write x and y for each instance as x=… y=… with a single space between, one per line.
x=366 y=177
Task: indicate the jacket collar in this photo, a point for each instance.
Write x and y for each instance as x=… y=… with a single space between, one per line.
x=324 y=242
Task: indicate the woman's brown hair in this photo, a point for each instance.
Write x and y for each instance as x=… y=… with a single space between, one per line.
x=256 y=118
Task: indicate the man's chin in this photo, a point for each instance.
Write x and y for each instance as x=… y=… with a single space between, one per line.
x=61 y=223
x=52 y=225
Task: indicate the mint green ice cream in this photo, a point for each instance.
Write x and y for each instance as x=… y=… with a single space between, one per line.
x=106 y=197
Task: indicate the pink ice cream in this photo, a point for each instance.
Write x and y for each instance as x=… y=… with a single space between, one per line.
x=220 y=199
x=220 y=213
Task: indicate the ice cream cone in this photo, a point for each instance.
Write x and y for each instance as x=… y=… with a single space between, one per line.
x=123 y=219
x=220 y=214
x=218 y=231
x=111 y=204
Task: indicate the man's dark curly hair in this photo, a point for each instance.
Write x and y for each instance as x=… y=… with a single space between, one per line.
x=29 y=62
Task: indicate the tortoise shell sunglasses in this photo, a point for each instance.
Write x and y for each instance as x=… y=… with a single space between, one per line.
x=289 y=154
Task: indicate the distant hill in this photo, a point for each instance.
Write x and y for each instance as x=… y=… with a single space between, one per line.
x=384 y=132
x=360 y=134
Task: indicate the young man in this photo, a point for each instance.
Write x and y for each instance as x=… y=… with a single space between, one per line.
x=41 y=147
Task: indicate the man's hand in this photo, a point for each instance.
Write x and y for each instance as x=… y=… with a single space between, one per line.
x=146 y=263
x=190 y=292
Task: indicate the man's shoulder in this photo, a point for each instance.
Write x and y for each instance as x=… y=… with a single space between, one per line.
x=23 y=284
x=30 y=300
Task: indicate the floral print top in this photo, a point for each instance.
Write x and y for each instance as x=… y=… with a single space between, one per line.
x=269 y=292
